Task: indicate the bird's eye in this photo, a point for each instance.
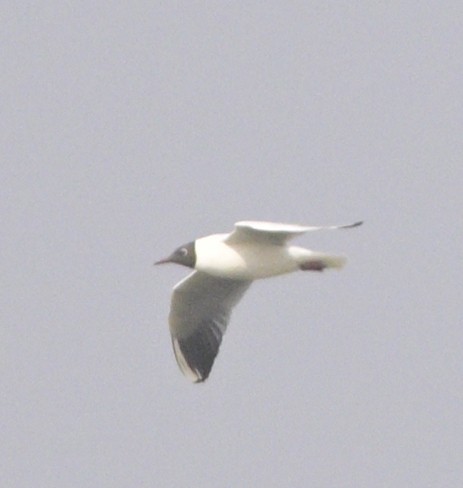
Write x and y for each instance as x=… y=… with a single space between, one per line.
x=183 y=251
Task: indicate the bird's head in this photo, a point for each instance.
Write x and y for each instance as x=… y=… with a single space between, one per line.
x=184 y=255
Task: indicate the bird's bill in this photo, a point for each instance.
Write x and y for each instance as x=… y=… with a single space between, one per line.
x=164 y=261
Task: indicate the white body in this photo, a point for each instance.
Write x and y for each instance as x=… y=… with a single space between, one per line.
x=254 y=260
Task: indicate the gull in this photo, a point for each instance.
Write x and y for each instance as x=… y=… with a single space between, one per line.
x=224 y=266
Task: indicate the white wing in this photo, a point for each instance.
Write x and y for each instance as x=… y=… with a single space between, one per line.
x=200 y=311
x=274 y=233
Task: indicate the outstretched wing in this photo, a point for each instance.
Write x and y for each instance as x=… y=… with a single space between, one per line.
x=200 y=311
x=274 y=233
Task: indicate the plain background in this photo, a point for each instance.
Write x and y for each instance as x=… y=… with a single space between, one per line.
x=129 y=128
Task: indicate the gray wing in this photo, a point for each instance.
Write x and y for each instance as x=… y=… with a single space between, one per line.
x=200 y=311
x=274 y=233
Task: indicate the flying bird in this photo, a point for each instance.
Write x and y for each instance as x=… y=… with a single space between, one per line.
x=224 y=267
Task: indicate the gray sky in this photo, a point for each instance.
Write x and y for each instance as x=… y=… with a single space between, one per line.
x=128 y=128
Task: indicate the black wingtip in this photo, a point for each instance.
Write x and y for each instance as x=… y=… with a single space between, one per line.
x=350 y=226
x=196 y=353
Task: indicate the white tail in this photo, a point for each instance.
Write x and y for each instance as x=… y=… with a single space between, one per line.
x=318 y=261
x=337 y=262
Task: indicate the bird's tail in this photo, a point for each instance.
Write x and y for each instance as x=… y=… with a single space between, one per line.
x=334 y=261
x=318 y=261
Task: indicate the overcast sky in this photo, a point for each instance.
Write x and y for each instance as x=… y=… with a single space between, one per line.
x=129 y=128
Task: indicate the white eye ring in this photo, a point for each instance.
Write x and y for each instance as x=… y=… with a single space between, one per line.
x=183 y=251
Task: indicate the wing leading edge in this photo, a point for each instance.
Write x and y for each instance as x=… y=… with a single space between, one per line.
x=201 y=307
x=274 y=233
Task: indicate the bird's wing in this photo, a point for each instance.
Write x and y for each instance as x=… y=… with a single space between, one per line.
x=273 y=233
x=200 y=311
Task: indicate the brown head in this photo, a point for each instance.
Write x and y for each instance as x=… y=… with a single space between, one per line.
x=184 y=255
